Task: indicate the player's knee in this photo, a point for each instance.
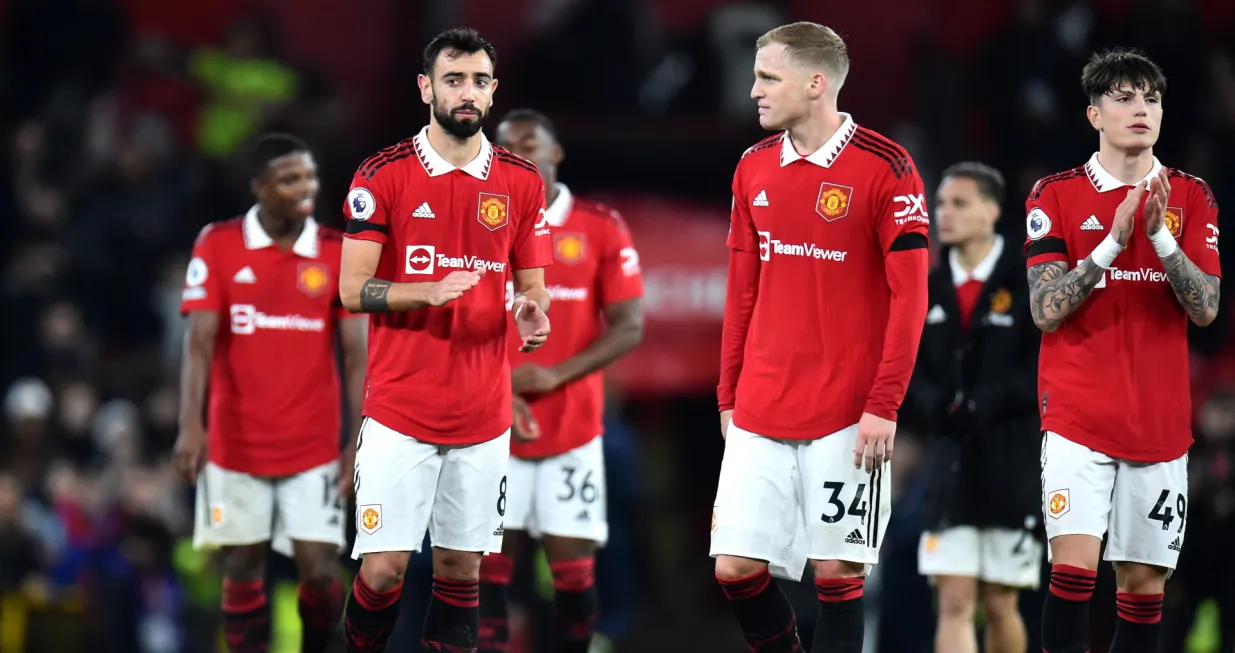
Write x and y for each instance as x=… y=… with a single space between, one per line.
x=999 y=602
x=957 y=596
x=383 y=571
x=244 y=563
x=1080 y=551
x=461 y=566
x=565 y=549
x=1138 y=578
x=318 y=569
x=837 y=568
x=731 y=568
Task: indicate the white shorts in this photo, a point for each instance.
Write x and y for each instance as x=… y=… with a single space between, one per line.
x=1001 y=556
x=787 y=501
x=405 y=486
x=236 y=509
x=563 y=495
x=1143 y=506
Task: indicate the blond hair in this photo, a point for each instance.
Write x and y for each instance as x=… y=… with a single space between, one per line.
x=814 y=45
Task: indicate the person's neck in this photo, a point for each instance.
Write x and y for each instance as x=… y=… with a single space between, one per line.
x=551 y=191
x=972 y=252
x=456 y=152
x=282 y=231
x=810 y=135
x=1129 y=167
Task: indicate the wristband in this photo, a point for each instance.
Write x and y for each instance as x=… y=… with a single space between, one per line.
x=1163 y=242
x=1104 y=254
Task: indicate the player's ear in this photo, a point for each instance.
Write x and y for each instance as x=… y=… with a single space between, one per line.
x=557 y=154
x=255 y=186
x=426 y=88
x=1095 y=117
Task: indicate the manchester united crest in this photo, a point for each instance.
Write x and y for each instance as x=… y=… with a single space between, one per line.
x=493 y=211
x=833 y=201
x=1174 y=220
x=312 y=279
x=1001 y=301
x=370 y=517
x=1057 y=504
x=568 y=247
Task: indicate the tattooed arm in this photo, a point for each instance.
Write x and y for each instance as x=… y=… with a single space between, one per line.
x=1196 y=291
x=1055 y=292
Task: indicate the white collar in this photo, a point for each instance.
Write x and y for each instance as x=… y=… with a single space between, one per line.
x=826 y=155
x=983 y=270
x=256 y=238
x=1104 y=181
x=559 y=210
x=435 y=165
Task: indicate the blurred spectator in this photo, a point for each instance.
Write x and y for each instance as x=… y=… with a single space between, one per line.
x=20 y=555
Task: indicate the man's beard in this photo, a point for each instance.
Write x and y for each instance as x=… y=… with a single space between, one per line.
x=459 y=128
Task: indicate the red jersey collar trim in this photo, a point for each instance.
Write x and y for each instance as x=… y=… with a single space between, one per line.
x=435 y=165
x=559 y=210
x=1104 y=181
x=826 y=155
x=256 y=238
x=981 y=273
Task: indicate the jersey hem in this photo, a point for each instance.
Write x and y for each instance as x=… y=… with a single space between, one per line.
x=550 y=452
x=409 y=429
x=229 y=463
x=753 y=425
x=1089 y=440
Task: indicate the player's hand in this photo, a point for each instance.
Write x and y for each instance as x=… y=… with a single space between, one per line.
x=525 y=427
x=452 y=287
x=189 y=452
x=532 y=379
x=1125 y=215
x=874 y=445
x=1155 y=205
x=346 y=486
x=726 y=416
x=532 y=323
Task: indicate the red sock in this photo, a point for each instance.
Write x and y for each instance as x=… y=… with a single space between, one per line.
x=834 y=590
x=374 y=600
x=1072 y=583
x=496 y=570
x=841 y=627
x=320 y=605
x=1139 y=608
x=246 y=616
x=369 y=617
x=574 y=584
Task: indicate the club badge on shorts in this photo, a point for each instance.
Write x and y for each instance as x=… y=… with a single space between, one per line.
x=312 y=279
x=492 y=211
x=1058 y=504
x=833 y=201
x=370 y=518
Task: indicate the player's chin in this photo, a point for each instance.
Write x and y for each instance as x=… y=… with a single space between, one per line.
x=771 y=123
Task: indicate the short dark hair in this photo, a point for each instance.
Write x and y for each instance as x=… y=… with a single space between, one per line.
x=989 y=180
x=1110 y=70
x=455 y=43
x=272 y=146
x=532 y=115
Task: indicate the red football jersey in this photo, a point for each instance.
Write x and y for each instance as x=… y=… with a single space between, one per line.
x=822 y=226
x=1114 y=376
x=595 y=265
x=441 y=374
x=275 y=406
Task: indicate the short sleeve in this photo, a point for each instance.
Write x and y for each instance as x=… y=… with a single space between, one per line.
x=202 y=290
x=1199 y=225
x=903 y=221
x=1044 y=238
x=742 y=235
x=532 y=246
x=368 y=205
x=619 y=277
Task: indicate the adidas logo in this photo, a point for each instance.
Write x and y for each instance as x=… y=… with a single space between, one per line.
x=1092 y=224
x=1175 y=546
x=423 y=211
x=245 y=275
x=855 y=538
x=583 y=515
x=761 y=199
x=501 y=530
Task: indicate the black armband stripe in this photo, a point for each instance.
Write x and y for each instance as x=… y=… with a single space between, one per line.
x=905 y=242
x=361 y=226
x=1050 y=245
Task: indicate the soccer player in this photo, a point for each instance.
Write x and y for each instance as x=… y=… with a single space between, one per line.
x=974 y=389
x=272 y=435
x=557 y=481
x=437 y=222
x=825 y=305
x=1114 y=306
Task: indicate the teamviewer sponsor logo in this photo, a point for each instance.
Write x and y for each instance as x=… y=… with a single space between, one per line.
x=1137 y=274
x=769 y=246
x=420 y=259
x=566 y=294
x=247 y=320
x=469 y=263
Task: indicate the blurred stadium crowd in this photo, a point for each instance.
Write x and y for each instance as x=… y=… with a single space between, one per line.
x=120 y=124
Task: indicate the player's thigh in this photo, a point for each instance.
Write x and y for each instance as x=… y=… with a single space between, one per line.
x=847 y=509
x=757 y=511
x=1011 y=557
x=396 y=479
x=1077 y=483
x=470 y=507
x=950 y=552
x=232 y=508
x=522 y=475
x=309 y=508
x=570 y=495
x=1149 y=515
